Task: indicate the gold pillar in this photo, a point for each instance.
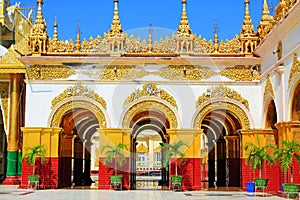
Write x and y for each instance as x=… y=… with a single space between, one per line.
x=14 y=113
x=288 y=131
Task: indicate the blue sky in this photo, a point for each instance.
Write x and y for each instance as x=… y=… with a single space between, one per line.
x=96 y=16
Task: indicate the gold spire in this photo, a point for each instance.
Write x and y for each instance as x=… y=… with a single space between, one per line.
x=248 y=27
x=216 y=36
x=78 y=40
x=38 y=34
x=266 y=21
x=184 y=26
x=55 y=34
x=150 y=36
x=116 y=27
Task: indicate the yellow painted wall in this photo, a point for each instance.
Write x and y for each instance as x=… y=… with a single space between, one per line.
x=49 y=137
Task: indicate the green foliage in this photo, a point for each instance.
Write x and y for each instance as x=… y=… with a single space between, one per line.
x=285 y=155
x=172 y=150
x=32 y=153
x=257 y=155
x=114 y=153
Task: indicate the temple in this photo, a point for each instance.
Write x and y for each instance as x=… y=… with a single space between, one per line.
x=76 y=96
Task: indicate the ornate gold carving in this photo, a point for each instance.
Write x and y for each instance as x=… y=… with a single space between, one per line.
x=282 y=8
x=269 y=89
x=153 y=105
x=133 y=45
x=4 y=88
x=240 y=73
x=151 y=90
x=49 y=72
x=266 y=22
x=295 y=69
x=237 y=111
x=142 y=148
x=78 y=90
x=188 y=72
x=221 y=92
x=38 y=35
x=59 y=113
x=10 y=61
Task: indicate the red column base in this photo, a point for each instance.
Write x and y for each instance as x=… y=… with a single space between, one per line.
x=11 y=180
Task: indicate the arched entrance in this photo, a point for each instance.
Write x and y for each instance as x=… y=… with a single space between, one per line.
x=223 y=144
x=271 y=117
x=295 y=112
x=220 y=143
x=149 y=131
x=76 y=143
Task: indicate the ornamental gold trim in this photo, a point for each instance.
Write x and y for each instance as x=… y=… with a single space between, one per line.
x=78 y=90
x=55 y=121
x=10 y=61
x=220 y=93
x=46 y=72
x=186 y=72
x=150 y=90
x=236 y=110
x=269 y=89
x=295 y=69
x=147 y=105
x=240 y=73
x=4 y=90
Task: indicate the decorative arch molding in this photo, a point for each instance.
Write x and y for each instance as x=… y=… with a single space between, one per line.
x=151 y=90
x=70 y=103
x=292 y=93
x=221 y=92
x=234 y=107
x=147 y=103
x=295 y=70
x=269 y=89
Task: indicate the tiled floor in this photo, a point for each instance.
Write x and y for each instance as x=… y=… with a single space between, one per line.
x=13 y=193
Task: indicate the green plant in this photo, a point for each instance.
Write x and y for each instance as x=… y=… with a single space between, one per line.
x=32 y=153
x=285 y=155
x=114 y=153
x=257 y=155
x=173 y=150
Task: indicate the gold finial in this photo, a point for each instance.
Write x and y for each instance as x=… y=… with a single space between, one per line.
x=55 y=34
x=184 y=26
x=266 y=21
x=216 y=37
x=150 y=36
x=78 y=45
x=248 y=27
x=116 y=27
x=39 y=17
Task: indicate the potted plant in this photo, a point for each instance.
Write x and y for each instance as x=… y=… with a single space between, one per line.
x=173 y=150
x=256 y=157
x=285 y=155
x=32 y=153
x=115 y=155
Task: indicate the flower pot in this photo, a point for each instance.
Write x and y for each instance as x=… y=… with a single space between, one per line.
x=33 y=180
x=261 y=183
x=291 y=190
x=176 y=180
x=116 y=180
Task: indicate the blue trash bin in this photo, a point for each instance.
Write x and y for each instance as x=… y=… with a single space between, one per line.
x=250 y=187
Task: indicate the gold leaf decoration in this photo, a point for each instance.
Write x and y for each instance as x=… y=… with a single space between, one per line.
x=188 y=72
x=48 y=72
x=240 y=73
x=237 y=111
x=78 y=90
x=269 y=89
x=150 y=104
x=142 y=148
x=295 y=69
x=151 y=90
x=221 y=92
